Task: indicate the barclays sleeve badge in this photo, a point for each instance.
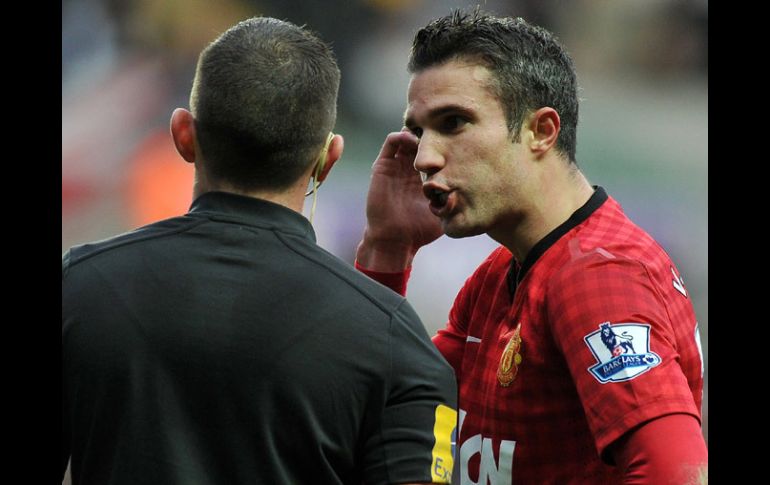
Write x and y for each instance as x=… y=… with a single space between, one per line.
x=622 y=351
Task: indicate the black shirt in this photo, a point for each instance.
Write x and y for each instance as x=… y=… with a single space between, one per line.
x=226 y=347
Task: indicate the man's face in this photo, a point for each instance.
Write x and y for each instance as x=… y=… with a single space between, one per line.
x=475 y=176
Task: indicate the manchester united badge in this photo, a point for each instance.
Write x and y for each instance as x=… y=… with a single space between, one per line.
x=511 y=358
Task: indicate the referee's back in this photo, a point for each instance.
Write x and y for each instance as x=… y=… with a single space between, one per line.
x=226 y=347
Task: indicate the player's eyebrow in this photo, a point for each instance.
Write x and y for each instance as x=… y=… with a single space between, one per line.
x=438 y=112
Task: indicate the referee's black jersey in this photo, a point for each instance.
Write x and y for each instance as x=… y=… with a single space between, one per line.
x=226 y=347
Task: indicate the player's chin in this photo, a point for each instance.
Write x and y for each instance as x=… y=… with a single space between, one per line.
x=456 y=228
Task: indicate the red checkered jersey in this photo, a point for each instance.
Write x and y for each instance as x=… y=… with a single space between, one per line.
x=556 y=358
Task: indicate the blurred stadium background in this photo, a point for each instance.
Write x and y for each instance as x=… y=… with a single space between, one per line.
x=642 y=68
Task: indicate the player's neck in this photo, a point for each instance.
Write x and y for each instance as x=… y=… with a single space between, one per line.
x=552 y=202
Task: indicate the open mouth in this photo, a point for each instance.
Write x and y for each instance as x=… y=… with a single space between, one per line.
x=438 y=197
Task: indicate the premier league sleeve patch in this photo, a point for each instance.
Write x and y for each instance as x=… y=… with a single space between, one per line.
x=622 y=351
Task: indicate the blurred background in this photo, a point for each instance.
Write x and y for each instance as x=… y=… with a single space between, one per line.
x=642 y=68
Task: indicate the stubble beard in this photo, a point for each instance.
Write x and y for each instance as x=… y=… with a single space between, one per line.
x=457 y=230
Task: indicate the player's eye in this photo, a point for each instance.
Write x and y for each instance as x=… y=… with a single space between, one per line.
x=452 y=123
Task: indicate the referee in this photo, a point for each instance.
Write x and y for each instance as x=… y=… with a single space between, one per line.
x=224 y=346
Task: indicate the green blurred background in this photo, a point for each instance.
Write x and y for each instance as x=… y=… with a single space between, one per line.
x=642 y=67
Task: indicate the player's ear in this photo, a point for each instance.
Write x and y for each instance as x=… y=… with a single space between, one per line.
x=544 y=126
x=183 y=133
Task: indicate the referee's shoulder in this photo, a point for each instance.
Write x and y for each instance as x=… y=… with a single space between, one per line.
x=350 y=283
x=113 y=245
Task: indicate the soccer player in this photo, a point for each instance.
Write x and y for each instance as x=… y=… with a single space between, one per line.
x=574 y=343
x=224 y=346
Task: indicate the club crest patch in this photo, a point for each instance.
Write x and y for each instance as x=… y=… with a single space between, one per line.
x=511 y=358
x=622 y=351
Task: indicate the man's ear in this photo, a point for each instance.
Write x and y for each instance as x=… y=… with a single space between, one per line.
x=333 y=153
x=183 y=133
x=544 y=125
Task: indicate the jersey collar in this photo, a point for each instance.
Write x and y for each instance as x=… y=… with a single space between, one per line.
x=241 y=209
x=516 y=272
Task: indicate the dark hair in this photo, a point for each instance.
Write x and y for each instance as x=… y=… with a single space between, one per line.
x=264 y=99
x=530 y=68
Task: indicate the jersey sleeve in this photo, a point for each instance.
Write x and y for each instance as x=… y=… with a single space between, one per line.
x=669 y=449
x=413 y=442
x=395 y=281
x=451 y=339
x=612 y=326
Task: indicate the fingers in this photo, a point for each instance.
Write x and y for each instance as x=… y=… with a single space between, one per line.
x=401 y=143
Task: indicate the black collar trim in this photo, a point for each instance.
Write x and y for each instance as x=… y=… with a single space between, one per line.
x=516 y=272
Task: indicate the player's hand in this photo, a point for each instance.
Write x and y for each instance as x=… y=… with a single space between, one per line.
x=399 y=221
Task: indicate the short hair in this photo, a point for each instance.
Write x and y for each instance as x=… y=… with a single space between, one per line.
x=264 y=99
x=530 y=68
